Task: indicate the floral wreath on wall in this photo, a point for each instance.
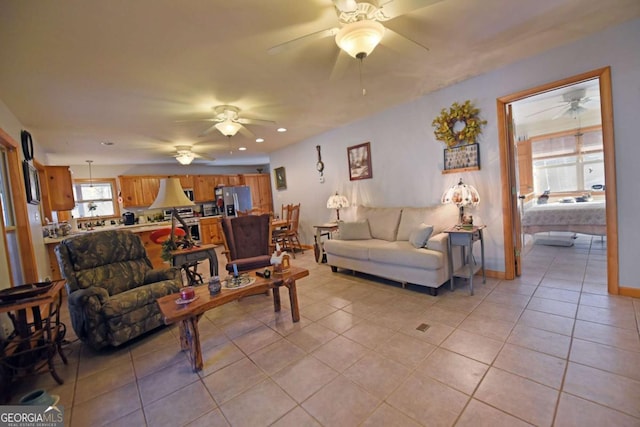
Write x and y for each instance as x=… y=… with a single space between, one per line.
x=460 y=124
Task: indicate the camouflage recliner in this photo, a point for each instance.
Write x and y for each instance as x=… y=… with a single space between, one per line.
x=112 y=286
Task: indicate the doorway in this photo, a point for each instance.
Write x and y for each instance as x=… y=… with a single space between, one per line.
x=510 y=173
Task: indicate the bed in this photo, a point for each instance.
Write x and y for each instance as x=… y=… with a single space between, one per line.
x=577 y=217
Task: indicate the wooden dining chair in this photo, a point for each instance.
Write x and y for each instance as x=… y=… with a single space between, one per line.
x=290 y=238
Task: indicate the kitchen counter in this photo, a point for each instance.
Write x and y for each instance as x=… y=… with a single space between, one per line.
x=136 y=228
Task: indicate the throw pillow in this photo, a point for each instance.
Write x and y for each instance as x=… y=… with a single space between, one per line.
x=420 y=235
x=355 y=230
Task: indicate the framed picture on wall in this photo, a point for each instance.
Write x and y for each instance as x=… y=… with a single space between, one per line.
x=462 y=158
x=359 y=157
x=31 y=183
x=281 y=178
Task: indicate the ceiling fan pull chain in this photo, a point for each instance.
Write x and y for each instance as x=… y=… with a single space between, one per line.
x=364 y=91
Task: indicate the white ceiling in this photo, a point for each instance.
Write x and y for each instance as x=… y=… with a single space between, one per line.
x=77 y=73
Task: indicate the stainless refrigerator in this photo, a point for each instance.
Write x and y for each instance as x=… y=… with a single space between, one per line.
x=236 y=198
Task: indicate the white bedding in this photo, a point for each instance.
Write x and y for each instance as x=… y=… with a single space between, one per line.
x=584 y=217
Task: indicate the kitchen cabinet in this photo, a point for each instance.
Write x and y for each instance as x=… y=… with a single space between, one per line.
x=186 y=181
x=260 y=184
x=203 y=188
x=210 y=230
x=54 y=268
x=234 y=180
x=138 y=191
x=59 y=187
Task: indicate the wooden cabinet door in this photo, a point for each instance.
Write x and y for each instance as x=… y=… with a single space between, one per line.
x=203 y=188
x=235 y=180
x=59 y=188
x=138 y=191
x=210 y=231
x=260 y=185
x=149 y=186
x=186 y=181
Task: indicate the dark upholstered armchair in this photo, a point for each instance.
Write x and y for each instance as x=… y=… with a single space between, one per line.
x=112 y=286
x=247 y=241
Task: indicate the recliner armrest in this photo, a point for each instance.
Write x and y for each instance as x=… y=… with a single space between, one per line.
x=160 y=274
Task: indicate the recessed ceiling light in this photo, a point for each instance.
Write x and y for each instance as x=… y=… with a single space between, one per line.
x=106 y=143
x=259 y=139
x=242 y=148
x=282 y=129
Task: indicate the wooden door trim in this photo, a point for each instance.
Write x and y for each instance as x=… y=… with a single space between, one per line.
x=19 y=197
x=606 y=102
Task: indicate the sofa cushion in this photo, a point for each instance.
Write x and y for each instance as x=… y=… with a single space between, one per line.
x=357 y=249
x=404 y=254
x=419 y=236
x=355 y=230
x=441 y=216
x=383 y=222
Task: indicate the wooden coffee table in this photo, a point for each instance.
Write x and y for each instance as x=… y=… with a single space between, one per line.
x=189 y=314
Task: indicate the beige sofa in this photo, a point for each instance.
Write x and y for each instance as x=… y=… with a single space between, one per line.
x=407 y=245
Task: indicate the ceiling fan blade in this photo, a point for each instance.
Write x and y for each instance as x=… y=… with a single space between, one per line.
x=342 y=62
x=301 y=41
x=547 y=109
x=208 y=130
x=345 y=5
x=250 y=121
x=246 y=132
x=561 y=113
x=402 y=44
x=394 y=8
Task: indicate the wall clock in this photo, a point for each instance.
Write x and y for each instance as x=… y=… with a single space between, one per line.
x=320 y=164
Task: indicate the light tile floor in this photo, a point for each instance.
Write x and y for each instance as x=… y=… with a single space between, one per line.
x=551 y=348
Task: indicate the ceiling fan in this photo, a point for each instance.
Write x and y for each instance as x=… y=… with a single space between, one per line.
x=185 y=155
x=227 y=121
x=573 y=104
x=360 y=29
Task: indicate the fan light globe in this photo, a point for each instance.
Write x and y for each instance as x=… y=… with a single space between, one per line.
x=185 y=158
x=228 y=127
x=359 y=38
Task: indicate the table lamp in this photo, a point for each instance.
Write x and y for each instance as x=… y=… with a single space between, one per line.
x=461 y=195
x=337 y=202
x=171 y=196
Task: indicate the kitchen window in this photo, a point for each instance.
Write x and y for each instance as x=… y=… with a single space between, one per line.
x=95 y=198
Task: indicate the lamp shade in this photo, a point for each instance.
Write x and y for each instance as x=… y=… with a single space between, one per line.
x=228 y=127
x=359 y=38
x=170 y=195
x=461 y=194
x=336 y=201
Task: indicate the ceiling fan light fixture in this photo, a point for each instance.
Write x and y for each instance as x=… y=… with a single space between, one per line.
x=359 y=38
x=185 y=158
x=228 y=127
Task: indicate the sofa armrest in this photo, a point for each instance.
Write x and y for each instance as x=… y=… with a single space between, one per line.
x=160 y=274
x=439 y=242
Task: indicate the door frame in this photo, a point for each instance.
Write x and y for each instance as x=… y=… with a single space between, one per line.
x=19 y=197
x=507 y=164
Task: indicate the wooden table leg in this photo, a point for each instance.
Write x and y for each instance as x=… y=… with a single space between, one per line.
x=293 y=299
x=190 y=339
x=276 y=298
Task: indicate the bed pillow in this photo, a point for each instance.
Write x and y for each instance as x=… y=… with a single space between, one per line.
x=354 y=230
x=419 y=236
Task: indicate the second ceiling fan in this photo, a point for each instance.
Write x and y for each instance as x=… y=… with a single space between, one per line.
x=227 y=121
